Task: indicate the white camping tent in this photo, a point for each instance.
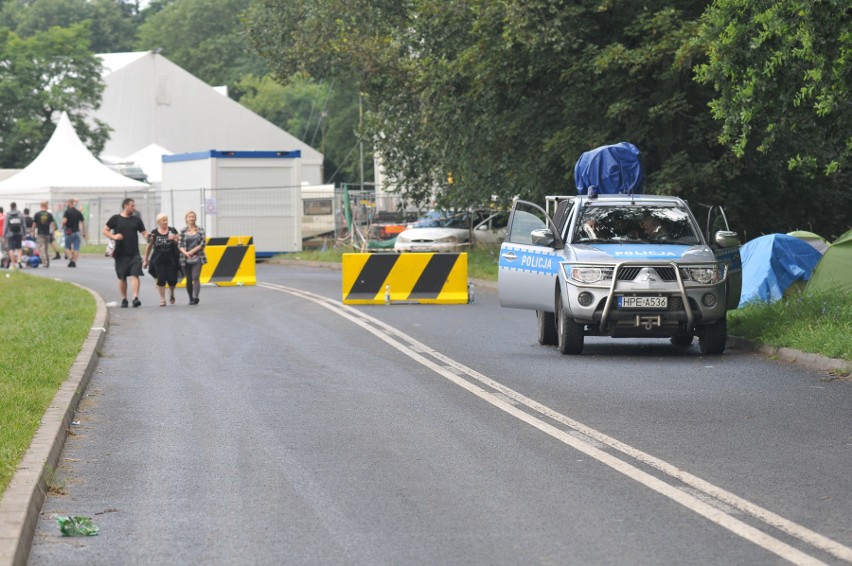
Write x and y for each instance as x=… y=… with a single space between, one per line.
x=65 y=169
x=149 y=100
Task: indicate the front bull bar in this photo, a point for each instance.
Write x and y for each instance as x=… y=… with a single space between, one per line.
x=690 y=317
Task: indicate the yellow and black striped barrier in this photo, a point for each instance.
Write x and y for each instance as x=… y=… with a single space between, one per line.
x=230 y=262
x=429 y=278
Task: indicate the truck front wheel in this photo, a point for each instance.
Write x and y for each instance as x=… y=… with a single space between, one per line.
x=570 y=334
x=713 y=338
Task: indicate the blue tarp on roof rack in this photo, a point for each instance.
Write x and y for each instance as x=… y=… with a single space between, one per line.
x=610 y=169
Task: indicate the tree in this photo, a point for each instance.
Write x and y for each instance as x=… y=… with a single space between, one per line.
x=503 y=97
x=323 y=115
x=205 y=37
x=782 y=72
x=112 y=24
x=42 y=75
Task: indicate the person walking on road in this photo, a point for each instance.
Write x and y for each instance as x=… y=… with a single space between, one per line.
x=124 y=228
x=192 y=256
x=75 y=226
x=43 y=226
x=164 y=241
x=13 y=232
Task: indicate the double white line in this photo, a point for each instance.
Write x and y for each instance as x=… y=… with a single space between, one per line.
x=509 y=400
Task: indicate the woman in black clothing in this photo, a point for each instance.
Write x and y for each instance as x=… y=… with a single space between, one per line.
x=164 y=241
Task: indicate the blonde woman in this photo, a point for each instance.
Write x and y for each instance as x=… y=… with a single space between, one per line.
x=164 y=241
x=192 y=257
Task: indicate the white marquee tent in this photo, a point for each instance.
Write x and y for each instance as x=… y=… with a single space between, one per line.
x=65 y=169
x=148 y=100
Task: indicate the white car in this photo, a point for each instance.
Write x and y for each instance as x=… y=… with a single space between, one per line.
x=453 y=233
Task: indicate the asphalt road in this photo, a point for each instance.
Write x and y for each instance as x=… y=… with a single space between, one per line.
x=272 y=425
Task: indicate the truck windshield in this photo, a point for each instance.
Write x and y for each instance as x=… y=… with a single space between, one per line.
x=635 y=223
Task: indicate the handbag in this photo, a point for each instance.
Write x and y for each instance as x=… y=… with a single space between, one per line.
x=110 y=249
x=152 y=265
x=193 y=260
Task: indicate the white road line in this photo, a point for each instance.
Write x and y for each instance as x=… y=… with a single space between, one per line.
x=414 y=349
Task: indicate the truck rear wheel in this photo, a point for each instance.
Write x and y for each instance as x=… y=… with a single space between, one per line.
x=714 y=337
x=570 y=335
x=546 y=328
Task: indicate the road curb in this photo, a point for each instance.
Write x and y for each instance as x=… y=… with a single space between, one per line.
x=805 y=359
x=25 y=495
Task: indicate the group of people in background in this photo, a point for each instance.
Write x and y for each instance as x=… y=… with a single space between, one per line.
x=167 y=254
x=19 y=232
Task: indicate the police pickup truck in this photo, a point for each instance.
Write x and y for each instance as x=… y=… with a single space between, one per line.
x=621 y=265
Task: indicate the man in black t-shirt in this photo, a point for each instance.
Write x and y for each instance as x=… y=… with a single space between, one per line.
x=74 y=225
x=43 y=227
x=124 y=229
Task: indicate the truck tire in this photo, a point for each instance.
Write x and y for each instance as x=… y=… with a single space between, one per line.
x=714 y=337
x=546 y=328
x=570 y=335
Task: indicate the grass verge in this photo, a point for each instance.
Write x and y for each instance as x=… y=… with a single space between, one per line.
x=819 y=324
x=43 y=324
x=812 y=323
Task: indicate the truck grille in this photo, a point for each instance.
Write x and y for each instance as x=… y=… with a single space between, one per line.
x=631 y=272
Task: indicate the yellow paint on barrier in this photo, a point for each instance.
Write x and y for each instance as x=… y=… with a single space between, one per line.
x=426 y=278
x=230 y=262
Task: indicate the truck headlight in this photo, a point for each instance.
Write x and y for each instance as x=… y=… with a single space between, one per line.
x=586 y=274
x=704 y=274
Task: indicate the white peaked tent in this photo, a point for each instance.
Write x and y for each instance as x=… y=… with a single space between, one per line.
x=149 y=100
x=150 y=159
x=65 y=169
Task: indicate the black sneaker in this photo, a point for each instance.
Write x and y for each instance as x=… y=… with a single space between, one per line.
x=136 y=302
x=124 y=303
x=72 y=264
x=56 y=256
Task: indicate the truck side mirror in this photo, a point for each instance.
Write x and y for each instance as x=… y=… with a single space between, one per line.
x=542 y=237
x=726 y=239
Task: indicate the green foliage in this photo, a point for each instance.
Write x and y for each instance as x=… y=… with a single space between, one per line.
x=205 y=37
x=322 y=115
x=812 y=323
x=111 y=23
x=503 y=97
x=42 y=75
x=42 y=324
x=782 y=73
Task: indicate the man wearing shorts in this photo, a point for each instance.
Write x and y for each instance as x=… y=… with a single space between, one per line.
x=14 y=228
x=72 y=222
x=125 y=228
x=43 y=226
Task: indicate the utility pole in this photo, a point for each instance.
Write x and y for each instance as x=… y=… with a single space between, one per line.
x=361 y=136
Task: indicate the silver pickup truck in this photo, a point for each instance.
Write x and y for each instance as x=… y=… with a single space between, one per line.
x=631 y=266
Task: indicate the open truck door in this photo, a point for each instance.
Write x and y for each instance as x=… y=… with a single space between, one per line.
x=726 y=247
x=529 y=260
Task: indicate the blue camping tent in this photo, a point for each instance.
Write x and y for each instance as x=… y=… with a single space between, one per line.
x=772 y=263
x=610 y=169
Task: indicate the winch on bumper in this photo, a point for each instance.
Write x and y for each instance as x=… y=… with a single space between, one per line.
x=644 y=298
